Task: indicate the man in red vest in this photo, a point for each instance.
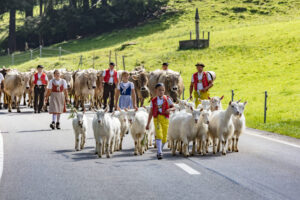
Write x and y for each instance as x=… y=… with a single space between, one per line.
x=201 y=83
x=110 y=79
x=40 y=81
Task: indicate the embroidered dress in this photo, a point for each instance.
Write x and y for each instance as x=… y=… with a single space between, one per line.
x=57 y=104
x=125 y=100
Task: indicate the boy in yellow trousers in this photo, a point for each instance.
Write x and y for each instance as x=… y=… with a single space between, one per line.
x=200 y=83
x=161 y=106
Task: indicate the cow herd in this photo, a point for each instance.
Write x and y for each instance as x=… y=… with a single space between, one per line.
x=84 y=86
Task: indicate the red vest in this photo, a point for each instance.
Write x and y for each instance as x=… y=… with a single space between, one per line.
x=43 y=79
x=204 y=80
x=165 y=106
x=107 y=76
x=56 y=88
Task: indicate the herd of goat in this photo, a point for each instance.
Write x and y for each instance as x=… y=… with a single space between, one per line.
x=206 y=125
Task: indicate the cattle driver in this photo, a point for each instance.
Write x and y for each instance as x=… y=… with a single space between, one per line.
x=165 y=66
x=110 y=79
x=201 y=83
x=40 y=81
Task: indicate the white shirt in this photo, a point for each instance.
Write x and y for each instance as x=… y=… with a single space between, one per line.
x=200 y=85
x=111 y=72
x=58 y=83
x=39 y=82
x=126 y=85
x=160 y=101
x=1 y=78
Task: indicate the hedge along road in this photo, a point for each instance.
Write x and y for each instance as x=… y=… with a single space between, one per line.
x=42 y=164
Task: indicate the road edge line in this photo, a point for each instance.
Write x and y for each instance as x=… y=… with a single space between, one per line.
x=1 y=155
x=274 y=140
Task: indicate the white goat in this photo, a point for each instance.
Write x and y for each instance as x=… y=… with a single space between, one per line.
x=215 y=103
x=221 y=126
x=203 y=131
x=138 y=121
x=183 y=127
x=103 y=127
x=239 y=123
x=80 y=128
x=205 y=104
x=121 y=115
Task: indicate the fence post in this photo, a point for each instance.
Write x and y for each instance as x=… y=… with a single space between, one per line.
x=266 y=108
x=8 y=52
x=190 y=35
x=93 y=61
x=232 y=95
x=116 y=57
x=110 y=56
x=123 y=57
x=12 y=58
x=59 y=48
x=80 y=62
x=30 y=54
x=183 y=93
x=40 y=50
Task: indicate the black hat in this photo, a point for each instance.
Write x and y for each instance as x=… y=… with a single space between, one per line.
x=200 y=64
x=165 y=63
x=159 y=85
x=111 y=63
x=40 y=66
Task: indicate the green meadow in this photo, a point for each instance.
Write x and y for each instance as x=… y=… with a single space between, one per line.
x=254 y=47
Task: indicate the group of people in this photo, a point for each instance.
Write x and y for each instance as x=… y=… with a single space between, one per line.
x=125 y=97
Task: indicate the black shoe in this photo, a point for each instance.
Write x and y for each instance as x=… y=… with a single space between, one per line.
x=52 y=125
x=159 y=156
x=39 y=111
x=57 y=125
x=34 y=111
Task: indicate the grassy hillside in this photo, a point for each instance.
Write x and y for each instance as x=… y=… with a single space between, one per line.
x=254 y=48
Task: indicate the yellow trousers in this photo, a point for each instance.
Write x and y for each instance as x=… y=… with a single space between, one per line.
x=161 y=124
x=202 y=96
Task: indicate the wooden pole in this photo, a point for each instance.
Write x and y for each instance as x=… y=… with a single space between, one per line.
x=116 y=58
x=124 y=67
x=190 y=35
x=110 y=56
x=232 y=95
x=265 y=108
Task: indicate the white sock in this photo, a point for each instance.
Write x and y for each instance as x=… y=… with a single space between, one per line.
x=58 y=117
x=158 y=145
x=162 y=147
x=54 y=117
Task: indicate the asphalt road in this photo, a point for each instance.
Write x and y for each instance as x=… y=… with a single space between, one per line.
x=41 y=164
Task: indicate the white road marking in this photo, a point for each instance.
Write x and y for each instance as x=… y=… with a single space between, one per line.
x=274 y=140
x=187 y=168
x=1 y=155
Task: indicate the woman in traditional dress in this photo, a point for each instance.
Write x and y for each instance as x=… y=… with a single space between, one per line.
x=58 y=91
x=126 y=92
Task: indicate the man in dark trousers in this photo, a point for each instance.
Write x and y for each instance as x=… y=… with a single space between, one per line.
x=110 y=79
x=40 y=81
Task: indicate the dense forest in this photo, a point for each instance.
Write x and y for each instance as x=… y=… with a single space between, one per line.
x=60 y=20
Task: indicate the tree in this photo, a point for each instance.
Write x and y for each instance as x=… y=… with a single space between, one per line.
x=29 y=8
x=86 y=5
x=41 y=7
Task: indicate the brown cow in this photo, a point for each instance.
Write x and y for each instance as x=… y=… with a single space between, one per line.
x=98 y=91
x=85 y=84
x=14 y=87
x=140 y=81
x=172 y=80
